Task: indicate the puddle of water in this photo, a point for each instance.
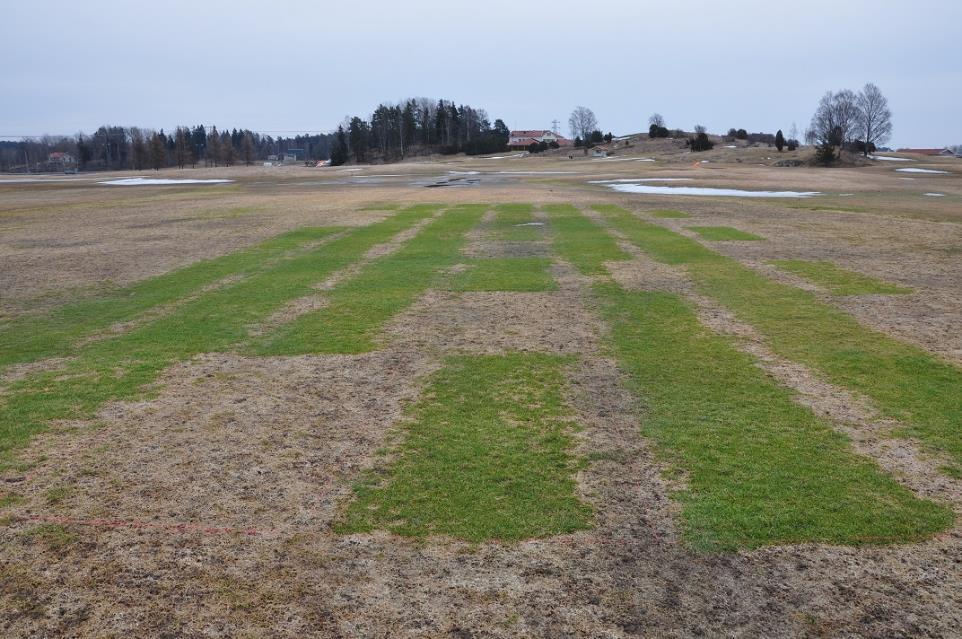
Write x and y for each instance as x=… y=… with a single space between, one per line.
x=695 y=190
x=140 y=181
x=914 y=170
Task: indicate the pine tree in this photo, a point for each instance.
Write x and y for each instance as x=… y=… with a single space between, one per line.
x=779 y=141
x=158 y=152
x=339 y=151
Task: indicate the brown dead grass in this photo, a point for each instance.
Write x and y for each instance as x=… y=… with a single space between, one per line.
x=206 y=511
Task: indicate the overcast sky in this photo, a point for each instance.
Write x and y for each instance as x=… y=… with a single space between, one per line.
x=302 y=65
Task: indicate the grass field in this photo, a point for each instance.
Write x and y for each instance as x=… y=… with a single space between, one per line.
x=525 y=407
x=839 y=281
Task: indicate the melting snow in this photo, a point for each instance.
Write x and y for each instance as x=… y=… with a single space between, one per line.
x=535 y=172
x=695 y=190
x=935 y=194
x=141 y=181
x=666 y=179
x=914 y=170
x=886 y=158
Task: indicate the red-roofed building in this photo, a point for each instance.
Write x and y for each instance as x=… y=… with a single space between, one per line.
x=521 y=140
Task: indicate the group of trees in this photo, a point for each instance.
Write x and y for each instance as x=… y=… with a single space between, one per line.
x=117 y=148
x=656 y=127
x=393 y=132
x=417 y=126
x=848 y=121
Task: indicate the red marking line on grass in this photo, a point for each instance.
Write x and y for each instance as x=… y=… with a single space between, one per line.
x=132 y=524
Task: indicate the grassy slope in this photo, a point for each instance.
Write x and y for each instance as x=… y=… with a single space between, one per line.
x=119 y=368
x=359 y=307
x=486 y=456
x=30 y=338
x=839 y=281
x=904 y=381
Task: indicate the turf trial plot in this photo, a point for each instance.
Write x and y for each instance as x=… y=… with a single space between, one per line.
x=516 y=223
x=838 y=280
x=668 y=214
x=358 y=307
x=512 y=274
x=905 y=382
x=582 y=242
x=723 y=234
x=120 y=367
x=760 y=469
x=33 y=337
x=485 y=455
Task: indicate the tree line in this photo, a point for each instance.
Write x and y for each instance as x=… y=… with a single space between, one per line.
x=417 y=126
x=114 y=148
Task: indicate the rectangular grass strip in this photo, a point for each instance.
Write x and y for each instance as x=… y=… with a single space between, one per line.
x=358 y=308
x=580 y=241
x=838 y=280
x=29 y=338
x=486 y=455
x=517 y=274
x=516 y=223
x=905 y=382
x=760 y=469
x=723 y=234
x=120 y=367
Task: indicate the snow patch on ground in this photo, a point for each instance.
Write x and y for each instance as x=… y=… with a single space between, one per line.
x=886 y=158
x=141 y=181
x=934 y=194
x=914 y=170
x=666 y=179
x=695 y=190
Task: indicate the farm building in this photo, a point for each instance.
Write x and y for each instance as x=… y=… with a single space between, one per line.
x=521 y=140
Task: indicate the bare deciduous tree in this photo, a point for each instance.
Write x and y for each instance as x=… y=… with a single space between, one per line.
x=875 y=118
x=656 y=119
x=847 y=114
x=582 y=122
x=835 y=121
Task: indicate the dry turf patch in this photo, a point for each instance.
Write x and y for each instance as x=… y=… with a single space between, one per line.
x=906 y=383
x=208 y=510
